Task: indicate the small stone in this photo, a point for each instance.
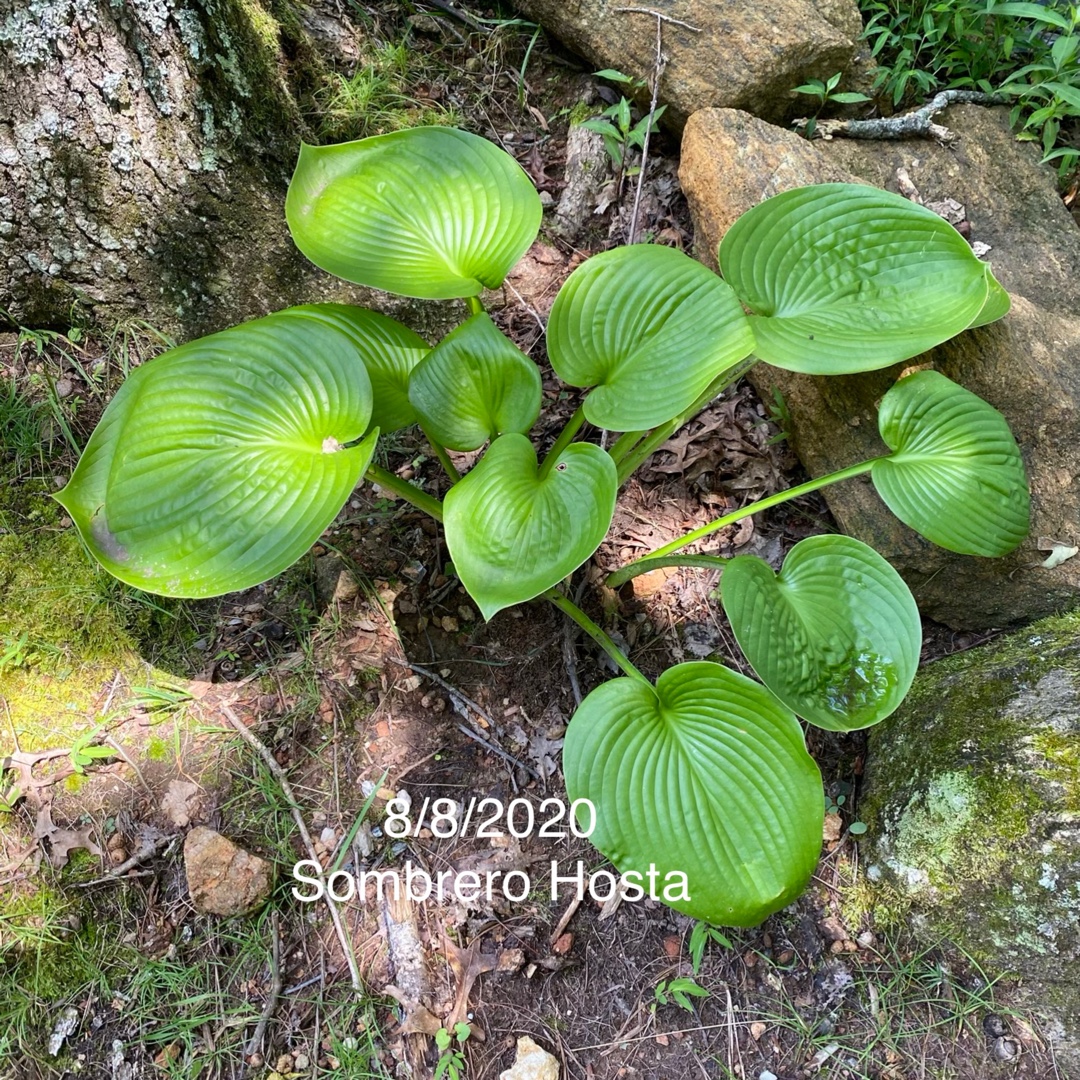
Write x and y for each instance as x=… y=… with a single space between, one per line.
x=833 y=929
x=223 y=878
x=1006 y=1049
x=532 y=1063
x=64 y=387
x=301 y=1062
x=766 y=1075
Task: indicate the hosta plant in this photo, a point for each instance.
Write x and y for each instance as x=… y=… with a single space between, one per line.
x=222 y=461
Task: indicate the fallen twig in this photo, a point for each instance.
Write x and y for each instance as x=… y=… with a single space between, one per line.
x=658 y=70
x=498 y=751
x=275 y=986
x=567 y=915
x=147 y=851
x=912 y=125
x=658 y=15
x=286 y=789
x=458 y=699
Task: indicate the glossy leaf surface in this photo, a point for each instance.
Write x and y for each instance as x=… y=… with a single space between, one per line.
x=475 y=384
x=845 y=277
x=220 y=463
x=956 y=475
x=649 y=328
x=430 y=212
x=835 y=636
x=512 y=535
x=389 y=351
x=706 y=774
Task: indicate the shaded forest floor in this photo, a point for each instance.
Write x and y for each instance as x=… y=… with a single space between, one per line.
x=367 y=675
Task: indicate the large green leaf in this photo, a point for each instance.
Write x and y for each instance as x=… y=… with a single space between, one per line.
x=431 y=212
x=835 y=636
x=956 y=475
x=706 y=775
x=475 y=384
x=512 y=534
x=844 y=278
x=649 y=328
x=389 y=351
x=220 y=463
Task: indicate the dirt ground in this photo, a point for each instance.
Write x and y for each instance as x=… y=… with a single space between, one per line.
x=366 y=675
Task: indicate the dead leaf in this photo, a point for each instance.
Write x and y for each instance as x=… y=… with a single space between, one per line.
x=61 y=842
x=544 y=752
x=834 y=826
x=176 y=804
x=757 y=1029
x=1059 y=552
x=468 y=965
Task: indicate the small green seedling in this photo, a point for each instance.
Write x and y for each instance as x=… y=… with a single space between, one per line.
x=85 y=751
x=824 y=92
x=700 y=937
x=451 y=1063
x=616 y=124
x=678 y=992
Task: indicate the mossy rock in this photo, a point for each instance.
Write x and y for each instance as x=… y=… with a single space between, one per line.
x=973 y=806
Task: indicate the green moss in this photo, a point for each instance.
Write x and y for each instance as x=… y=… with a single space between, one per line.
x=974 y=797
x=1061 y=752
x=581 y=112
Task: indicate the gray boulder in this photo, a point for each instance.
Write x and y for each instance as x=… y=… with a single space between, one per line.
x=972 y=799
x=1027 y=366
x=738 y=55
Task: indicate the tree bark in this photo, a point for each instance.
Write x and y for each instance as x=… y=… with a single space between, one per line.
x=145 y=148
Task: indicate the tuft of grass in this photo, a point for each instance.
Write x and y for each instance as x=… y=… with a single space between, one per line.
x=384 y=94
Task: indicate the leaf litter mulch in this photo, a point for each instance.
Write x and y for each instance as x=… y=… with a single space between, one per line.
x=370 y=683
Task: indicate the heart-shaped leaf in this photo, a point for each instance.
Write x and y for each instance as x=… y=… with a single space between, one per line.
x=220 y=463
x=389 y=351
x=649 y=328
x=706 y=775
x=431 y=212
x=475 y=384
x=845 y=277
x=956 y=475
x=835 y=636
x=512 y=533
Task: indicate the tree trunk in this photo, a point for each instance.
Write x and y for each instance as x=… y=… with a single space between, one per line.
x=145 y=148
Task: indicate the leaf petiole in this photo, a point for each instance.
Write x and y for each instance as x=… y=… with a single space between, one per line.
x=625 y=444
x=566 y=437
x=566 y=605
x=643 y=566
x=440 y=452
x=404 y=490
x=756 y=508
